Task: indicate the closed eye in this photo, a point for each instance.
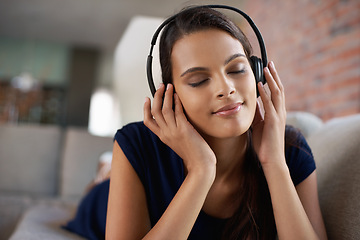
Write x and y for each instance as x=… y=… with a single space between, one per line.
x=196 y=84
x=237 y=71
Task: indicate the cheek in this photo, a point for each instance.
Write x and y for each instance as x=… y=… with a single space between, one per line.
x=189 y=104
x=189 y=99
x=248 y=87
x=253 y=93
x=251 y=79
x=193 y=107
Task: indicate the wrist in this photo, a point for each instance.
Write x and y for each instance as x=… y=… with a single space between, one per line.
x=276 y=167
x=204 y=173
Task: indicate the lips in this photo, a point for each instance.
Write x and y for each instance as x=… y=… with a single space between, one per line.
x=229 y=109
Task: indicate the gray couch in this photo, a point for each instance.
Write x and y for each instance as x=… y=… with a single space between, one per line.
x=44 y=171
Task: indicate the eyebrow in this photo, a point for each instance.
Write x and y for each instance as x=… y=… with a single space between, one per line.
x=194 y=69
x=197 y=69
x=232 y=57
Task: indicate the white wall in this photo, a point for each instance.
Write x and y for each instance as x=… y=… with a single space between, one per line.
x=131 y=85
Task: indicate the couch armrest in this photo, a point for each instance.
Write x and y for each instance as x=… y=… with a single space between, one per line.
x=336 y=148
x=306 y=122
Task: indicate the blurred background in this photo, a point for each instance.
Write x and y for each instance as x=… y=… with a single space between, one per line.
x=82 y=63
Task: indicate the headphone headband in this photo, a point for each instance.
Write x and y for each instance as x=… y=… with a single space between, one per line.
x=170 y=19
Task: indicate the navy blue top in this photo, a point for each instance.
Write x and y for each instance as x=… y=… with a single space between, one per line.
x=161 y=171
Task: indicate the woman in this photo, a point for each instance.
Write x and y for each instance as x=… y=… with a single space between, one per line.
x=205 y=164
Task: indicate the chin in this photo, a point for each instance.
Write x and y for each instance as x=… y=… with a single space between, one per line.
x=223 y=127
x=226 y=131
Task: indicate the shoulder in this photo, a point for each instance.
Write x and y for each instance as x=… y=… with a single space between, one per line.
x=145 y=151
x=133 y=129
x=299 y=157
x=137 y=141
x=134 y=133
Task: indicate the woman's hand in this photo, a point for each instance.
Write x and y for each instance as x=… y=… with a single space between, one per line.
x=172 y=127
x=269 y=130
x=269 y=140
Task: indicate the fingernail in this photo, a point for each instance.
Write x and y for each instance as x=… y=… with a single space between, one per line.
x=160 y=85
x=168 y=86
x=272 y=64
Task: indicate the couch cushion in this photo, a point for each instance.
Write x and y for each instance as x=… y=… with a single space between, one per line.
x=81 y=154
x=336 y=148
x=44 y=221
x=11 y=209
x=29 y=157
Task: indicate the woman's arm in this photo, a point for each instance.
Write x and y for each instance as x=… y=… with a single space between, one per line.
x=291 y=210
x=297 y=213
x=180 y=216
x=308 y=194
x=128 y=216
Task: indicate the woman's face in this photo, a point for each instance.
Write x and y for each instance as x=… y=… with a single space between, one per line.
x=214 y=82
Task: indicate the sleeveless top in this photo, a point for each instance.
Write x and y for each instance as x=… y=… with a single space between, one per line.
x=161 y=171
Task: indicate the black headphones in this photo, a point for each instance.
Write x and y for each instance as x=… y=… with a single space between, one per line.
x=256 y=63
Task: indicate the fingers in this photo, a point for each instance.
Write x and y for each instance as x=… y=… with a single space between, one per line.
x=161 y=114
x=152 y=115
x=149 y=121
x=179 y=112
x=276 y=99
x=167 y=108
x=276 y=76
x=156 y=109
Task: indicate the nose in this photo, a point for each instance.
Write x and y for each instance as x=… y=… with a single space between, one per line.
x=225 y=87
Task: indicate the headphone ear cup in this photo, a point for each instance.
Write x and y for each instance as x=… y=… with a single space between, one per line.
x=257 y=68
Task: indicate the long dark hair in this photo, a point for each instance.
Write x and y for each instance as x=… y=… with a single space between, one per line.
x=254 y=217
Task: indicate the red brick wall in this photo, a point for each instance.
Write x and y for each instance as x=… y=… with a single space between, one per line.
x=315 y=45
